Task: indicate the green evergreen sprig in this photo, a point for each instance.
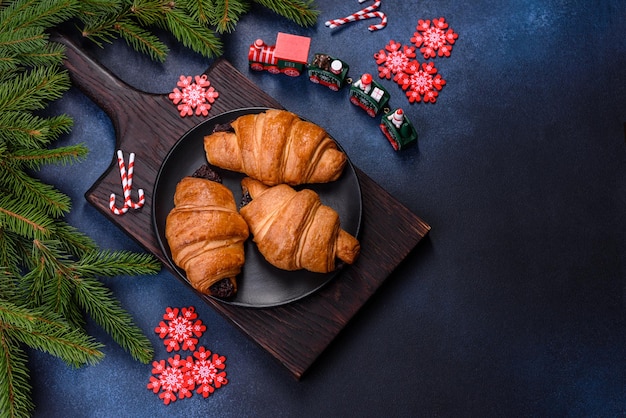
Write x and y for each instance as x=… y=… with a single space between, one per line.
x=197 y=24
x=50 y=273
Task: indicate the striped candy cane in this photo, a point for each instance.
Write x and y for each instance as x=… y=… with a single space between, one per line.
x=363 y=14
x=383 y=21
x=371 y=8
x=115 y=209
x=127 y=182
x=140 y=193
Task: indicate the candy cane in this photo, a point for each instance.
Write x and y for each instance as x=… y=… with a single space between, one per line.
x=114 y=209
x=383 y=21
x=352 y=18
x=127 y=182
x=363 y=14
x=371 y=8
x=140 y=193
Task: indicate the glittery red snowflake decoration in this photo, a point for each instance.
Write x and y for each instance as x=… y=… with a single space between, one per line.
x=394 y=59
x=170 y=380
x=178 y=378
x=420 y=81
x=208 y=371
x=433 y=39
x=180 y=326
x=199 y=95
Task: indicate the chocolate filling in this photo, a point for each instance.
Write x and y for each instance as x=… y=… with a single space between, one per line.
x=223 y=127
x=206 y=172
x=223 y=289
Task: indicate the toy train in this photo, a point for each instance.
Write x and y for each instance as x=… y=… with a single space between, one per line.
x=289 y=56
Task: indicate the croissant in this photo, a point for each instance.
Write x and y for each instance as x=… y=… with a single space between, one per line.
x=293 y=230
x=206 y=235
x=276 y=147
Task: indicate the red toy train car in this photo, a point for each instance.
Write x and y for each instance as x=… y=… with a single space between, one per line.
x=289 y=56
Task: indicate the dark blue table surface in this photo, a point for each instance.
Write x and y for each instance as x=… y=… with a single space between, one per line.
x=513 y=305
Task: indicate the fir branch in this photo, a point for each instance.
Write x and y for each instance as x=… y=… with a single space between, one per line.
x=191 y=34
x=10 y=257
x=52 y=55
x=31 y=90
x=50 y=283
x=101 y=27
x=35 y=158
x=116 y=263
x=42 y=331
x=199 y=10
x=15 y=389
x=42 y=13
x=33 y=192
x=195 y=23
x=299 y=11
x=75 y=243
x=59 y=279
x=69 y=344
x=141 y=40
x=25 y=130
x=149 y=12
x=39 y=282
x=7 y=62
x=107 y=312
x=23 y=219
x=227 y=15
x=15 y=46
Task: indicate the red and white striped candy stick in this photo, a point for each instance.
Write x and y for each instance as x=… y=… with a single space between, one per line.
x=371 y=8
x=127 y=182
x=380 y=25
x=363 y=14
x=115 y=209
x=127 y=198
x=126 y=190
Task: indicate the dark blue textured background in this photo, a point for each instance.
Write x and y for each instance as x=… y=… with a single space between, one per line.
x=514 y=304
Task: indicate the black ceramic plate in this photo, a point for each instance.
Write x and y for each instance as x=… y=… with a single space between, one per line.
x=260 y=284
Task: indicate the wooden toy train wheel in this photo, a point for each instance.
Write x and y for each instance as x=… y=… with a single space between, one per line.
x=273 y=70
x=291 y=72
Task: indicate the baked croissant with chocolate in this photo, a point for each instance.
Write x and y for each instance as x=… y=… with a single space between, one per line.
x=276 y=147
x=293 y=230
x=206 y=235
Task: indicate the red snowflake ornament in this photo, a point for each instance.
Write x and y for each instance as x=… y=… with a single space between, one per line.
x=422 y=83
x=199 y=95
x=208 y=371
x=394 y=59
x=171 y=380
x=433 y=39
x=179 y=377
x=180 y=328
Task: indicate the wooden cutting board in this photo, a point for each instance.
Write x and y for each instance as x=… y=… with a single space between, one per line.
x=149 y=124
